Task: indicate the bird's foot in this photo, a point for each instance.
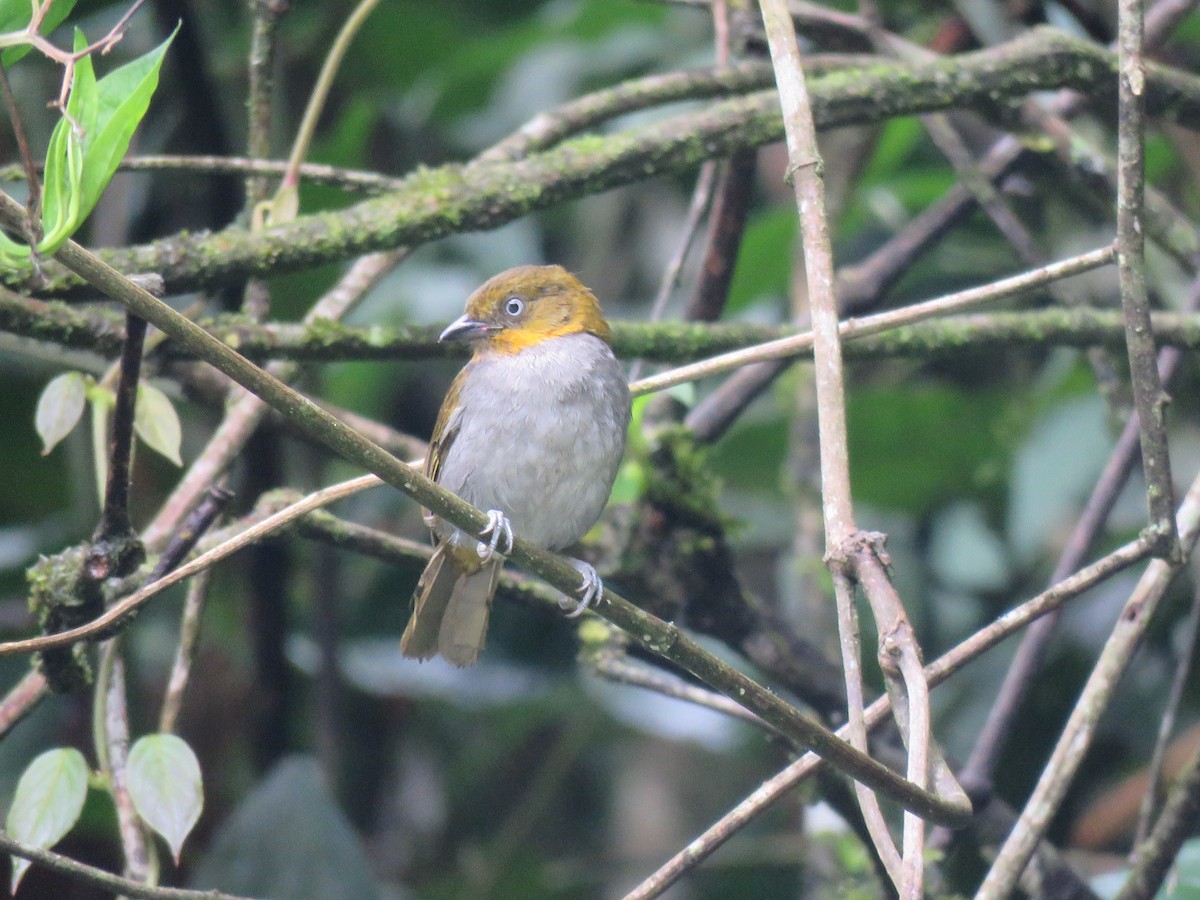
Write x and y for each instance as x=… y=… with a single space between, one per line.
x=589 y=592
x=498 y=531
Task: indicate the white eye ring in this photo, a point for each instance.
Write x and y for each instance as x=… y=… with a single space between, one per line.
x=514 y=306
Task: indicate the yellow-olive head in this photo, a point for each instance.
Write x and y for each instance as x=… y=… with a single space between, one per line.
x=526 y=305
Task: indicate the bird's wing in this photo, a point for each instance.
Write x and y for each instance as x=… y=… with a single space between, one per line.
x=445 y=430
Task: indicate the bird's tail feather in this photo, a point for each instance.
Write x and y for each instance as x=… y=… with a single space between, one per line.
x=464 y=624
x=451 y=608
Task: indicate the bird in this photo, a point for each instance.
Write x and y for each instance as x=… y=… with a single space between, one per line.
x=532 y=430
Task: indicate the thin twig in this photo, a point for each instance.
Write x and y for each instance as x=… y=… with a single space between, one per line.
x=86 y=874
x=33 y=201
x=899 y=657
x=117 y=612
x=320 y=92
x=196 y=525
x=67 y=59
x=1152 y=858
x=701 y=197
x=1154 y=772
x=856 y=328
x=936 y=672
x=618 y=668
x=21 y=700
x=856 y=726
x=185 y=649
x=139 y=864
x=1076 y=737
x=318 y=173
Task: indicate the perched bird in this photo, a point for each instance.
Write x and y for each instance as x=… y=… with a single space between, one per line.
x=532 y=430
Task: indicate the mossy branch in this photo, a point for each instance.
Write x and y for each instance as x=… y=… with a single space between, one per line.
x=432 y=203
x=101 y=331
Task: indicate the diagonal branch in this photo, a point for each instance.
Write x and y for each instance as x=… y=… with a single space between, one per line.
x=651 y=632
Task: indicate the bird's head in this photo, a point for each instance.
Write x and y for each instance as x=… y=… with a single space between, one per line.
x=524 y=306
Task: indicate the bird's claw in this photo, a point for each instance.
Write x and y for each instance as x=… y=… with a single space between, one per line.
x=498 y=530
x=589 y=592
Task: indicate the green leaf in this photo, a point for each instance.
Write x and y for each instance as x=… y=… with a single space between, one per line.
x=47 y=803
x=123 y=97
x=280 y=209
x=59 y=408
x=56 y=187
x=14 y=257
x=165 y=786
x=89 y=142
x=62 y=202
x=14 y=16
x=157 y=423
x=83 y=101
x=101 y=403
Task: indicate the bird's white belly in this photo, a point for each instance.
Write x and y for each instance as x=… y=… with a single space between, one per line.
x=541 y=437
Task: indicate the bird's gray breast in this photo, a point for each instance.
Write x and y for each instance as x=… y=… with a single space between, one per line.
x=541 y=436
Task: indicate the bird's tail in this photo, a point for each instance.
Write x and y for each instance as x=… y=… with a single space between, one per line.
x=450 y=609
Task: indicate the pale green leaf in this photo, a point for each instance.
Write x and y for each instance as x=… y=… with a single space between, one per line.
x=14 y=15
x=122 y=98
x=165 y=786
x=63 y=209
x=14 y=257
x=157 y=423
x=59 y=408
x=283 y=207
x=47 y=803
x=56 y=187
x=90 y=141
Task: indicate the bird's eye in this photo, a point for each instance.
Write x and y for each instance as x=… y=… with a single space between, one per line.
x=514 y=306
